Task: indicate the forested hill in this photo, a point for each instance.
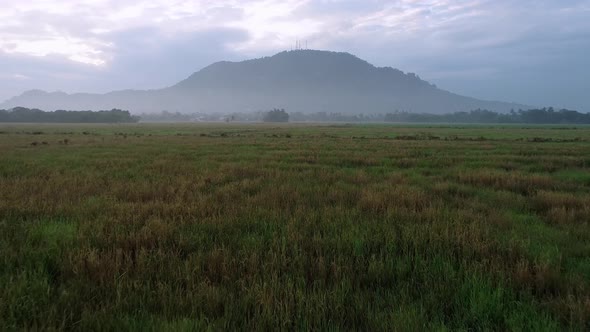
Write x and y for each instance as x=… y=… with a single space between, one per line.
x=300 y=81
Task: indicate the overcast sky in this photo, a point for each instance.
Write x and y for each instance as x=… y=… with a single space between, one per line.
x=529 y=51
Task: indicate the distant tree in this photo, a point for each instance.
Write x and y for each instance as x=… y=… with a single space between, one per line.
x=276 y=115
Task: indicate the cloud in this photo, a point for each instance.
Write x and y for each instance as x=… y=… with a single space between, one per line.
x=149 y=53
x=470 y=46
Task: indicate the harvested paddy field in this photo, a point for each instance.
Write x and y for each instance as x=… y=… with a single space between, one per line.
x=294 y=227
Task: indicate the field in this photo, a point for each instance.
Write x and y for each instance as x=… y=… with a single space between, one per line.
x=294 y=227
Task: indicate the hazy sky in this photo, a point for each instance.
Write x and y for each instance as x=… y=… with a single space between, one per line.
x=529 y=51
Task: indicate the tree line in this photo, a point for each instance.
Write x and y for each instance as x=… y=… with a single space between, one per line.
x=22 y=114
x=532 y=116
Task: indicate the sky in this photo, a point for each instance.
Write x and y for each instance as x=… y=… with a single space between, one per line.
x=534 y=52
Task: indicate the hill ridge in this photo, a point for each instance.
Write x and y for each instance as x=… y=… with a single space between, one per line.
x=297 y=80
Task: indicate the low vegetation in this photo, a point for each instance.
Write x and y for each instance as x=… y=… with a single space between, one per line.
x=300 y=227
x=532 y=116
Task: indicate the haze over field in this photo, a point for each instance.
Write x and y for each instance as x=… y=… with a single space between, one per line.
x=526 y=52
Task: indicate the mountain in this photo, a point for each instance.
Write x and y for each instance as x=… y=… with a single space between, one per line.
x=299 y=81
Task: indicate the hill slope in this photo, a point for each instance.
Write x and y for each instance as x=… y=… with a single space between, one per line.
x=302 y=80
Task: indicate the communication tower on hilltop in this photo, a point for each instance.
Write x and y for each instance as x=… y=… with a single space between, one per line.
x=299 y=45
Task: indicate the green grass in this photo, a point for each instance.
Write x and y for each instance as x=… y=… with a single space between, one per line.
x=294 y=227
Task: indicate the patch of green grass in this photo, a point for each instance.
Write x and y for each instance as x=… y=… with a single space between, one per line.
x=577 y=176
